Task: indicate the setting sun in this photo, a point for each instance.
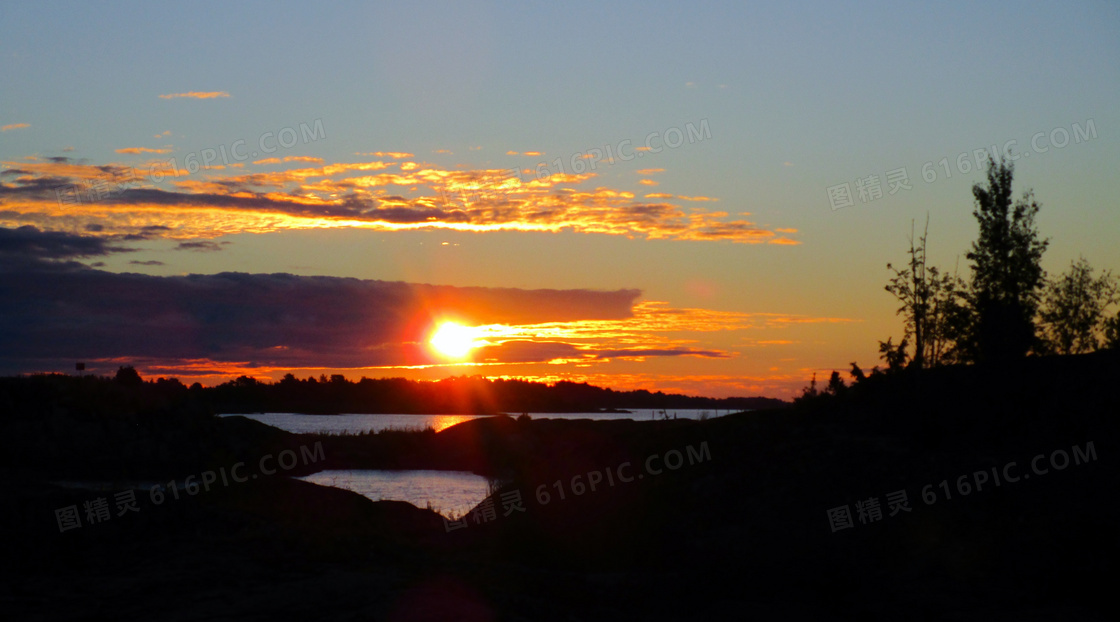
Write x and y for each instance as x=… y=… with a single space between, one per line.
x=453 y=340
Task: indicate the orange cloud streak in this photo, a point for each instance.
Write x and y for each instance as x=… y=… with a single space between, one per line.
x=368 y=195
x=196 y=95
x=137 y=150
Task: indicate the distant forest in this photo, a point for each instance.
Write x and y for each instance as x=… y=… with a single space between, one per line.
x=336 y=394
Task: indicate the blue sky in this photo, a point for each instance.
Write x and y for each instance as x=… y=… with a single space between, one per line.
x=798 y=98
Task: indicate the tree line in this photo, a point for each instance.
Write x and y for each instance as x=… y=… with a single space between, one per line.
x=127 y=390
x=1007 y=308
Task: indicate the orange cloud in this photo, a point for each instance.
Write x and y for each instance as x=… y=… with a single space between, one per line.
x=14 y=126
x=62 y=169
x=163 y=134
x=650 y=171
x=387 y=154
x=654 y=325
x=136 y=150
x=290 y=159
x=367 y=195
x=648 y=182
x=196 y=95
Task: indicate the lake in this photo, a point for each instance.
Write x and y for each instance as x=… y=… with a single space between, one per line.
x=447 y=491
x=355 y=423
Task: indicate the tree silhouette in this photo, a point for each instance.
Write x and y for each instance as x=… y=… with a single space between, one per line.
x=894 y=356
x=1006 y=268
x=1112 y=333
x=933 y=305
x=1074 y=306
x=127 y=375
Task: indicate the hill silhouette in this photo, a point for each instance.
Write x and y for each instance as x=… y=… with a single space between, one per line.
x=742 y=526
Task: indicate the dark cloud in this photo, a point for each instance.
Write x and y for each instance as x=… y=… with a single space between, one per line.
x=150 y=262
x=48 y=313
x=202 y=246
x=145 y=233
x=41 y=188
x=522 y=351
x=29 y=243
x=639 y=353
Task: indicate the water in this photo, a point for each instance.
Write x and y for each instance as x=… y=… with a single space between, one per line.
x=448 y=492
x=353 y=424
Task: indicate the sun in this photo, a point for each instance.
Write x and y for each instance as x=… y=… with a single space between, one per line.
x=453 y=340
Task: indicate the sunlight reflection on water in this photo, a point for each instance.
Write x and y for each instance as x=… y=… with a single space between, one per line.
x=447 y=491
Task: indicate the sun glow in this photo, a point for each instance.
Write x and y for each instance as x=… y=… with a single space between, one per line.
x=453 y=340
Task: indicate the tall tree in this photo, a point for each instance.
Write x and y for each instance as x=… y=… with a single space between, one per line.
x=912 y=288
x=932 y=303
x=1074 y=307
x=1007 y=273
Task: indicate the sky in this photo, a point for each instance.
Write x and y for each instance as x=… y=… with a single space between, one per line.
x=666 y=196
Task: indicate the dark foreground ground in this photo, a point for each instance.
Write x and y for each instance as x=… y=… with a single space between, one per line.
x=739 y=529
